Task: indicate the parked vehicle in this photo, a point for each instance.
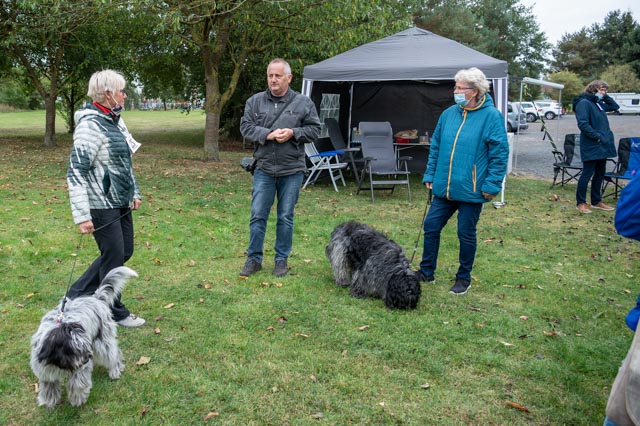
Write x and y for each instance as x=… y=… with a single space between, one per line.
x=548 y=109
x=629 y=102
x=529 y=109
x=516 y=120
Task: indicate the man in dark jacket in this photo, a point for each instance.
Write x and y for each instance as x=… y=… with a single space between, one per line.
x=596 y=142
x=280 y=121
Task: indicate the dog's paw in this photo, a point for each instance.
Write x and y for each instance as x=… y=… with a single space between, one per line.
x=116 y=372
x=77 y=397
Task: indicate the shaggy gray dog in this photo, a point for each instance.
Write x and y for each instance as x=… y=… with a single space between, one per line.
x=372 y=265
x=73 y=337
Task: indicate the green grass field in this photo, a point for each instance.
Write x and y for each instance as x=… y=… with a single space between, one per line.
x=542 y=326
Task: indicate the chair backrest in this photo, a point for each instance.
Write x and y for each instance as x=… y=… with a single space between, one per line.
x=377 y=143
x=572 y=148
x=312 y=152
x=624 y=151
x=334 y=134
x=633 y=165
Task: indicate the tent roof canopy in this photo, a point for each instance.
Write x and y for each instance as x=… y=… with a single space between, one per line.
x=413 y=54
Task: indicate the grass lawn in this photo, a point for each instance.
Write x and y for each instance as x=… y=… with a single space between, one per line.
x=542 y=325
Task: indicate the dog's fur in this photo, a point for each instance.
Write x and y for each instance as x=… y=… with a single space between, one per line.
x=372 y=265
x=69 y=343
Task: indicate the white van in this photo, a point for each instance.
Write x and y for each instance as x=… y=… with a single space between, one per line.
x=629 y=102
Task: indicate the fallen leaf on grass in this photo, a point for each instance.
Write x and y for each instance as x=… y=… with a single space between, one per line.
x=191 y=263
x=282 y=320
x=270 y=328
x=425 y=386
x=169 y=306
x=307 y=261
x=363 y=328
x=317 y=415
x=516 y=406
x=506 y=343
x=301 y=335
x=143 y=412
x=157 y=330
x=524 y=317
x=552 y=333
x=144 y=360
x=210 y=416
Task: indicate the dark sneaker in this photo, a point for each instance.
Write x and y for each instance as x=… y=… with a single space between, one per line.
x=250 y=267
x=460 y=287
x=430 y=279
x=281 y=269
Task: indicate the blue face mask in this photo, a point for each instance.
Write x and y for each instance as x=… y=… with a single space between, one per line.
x=599 y=95
x=460 y=99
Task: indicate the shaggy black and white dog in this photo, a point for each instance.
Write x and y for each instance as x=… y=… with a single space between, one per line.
x=75 y=336
x=372 y=265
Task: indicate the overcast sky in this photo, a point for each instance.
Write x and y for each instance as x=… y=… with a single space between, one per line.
x=557 y=17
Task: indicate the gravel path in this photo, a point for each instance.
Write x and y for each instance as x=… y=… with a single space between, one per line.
x=532 y=156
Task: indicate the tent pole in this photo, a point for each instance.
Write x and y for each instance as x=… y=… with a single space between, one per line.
x=350 y=107
x=515 y=141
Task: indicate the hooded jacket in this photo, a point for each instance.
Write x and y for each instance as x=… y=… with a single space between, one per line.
x=596 y=138
x=100 y=173
x=469 y=153
x=280 y=159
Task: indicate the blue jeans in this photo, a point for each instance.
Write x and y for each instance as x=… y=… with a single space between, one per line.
x=595 y=169
x=265 y=189
x=439 y=214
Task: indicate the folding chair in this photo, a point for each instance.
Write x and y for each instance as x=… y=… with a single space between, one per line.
x=568 y=164
x=338 y=144
x=627 y=164
x=321 y=161
x=380 y=159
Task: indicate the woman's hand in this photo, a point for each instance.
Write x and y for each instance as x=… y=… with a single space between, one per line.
x=136 y=203
x=86 y=227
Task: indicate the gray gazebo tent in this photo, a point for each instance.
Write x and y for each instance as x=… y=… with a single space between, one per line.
x=406 y=79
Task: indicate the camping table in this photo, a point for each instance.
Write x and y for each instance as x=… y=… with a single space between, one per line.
x=398 y=147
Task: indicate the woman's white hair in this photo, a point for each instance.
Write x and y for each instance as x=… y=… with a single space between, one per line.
x=475 y=78
x=102 y=81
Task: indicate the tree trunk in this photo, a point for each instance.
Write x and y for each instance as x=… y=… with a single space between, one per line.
x=212 y=135
x=50 y=121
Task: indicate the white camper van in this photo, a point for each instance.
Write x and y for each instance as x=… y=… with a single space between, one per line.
x=629 y=102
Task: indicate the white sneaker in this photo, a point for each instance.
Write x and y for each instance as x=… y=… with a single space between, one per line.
x=131 y=321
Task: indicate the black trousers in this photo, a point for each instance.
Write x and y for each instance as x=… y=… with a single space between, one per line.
x=114 y=237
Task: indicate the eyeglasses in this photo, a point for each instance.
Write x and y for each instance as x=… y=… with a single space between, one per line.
x=462 y=88
x=603 y=89
x=123 y=92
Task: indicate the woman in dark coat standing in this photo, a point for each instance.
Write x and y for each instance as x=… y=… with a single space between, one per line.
x=596 y=142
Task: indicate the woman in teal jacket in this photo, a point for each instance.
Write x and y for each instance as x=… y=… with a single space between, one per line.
x=467 y=164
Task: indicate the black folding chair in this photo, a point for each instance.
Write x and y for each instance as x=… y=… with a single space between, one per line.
x=626 y=165
x=567 y=165
x=335 y=136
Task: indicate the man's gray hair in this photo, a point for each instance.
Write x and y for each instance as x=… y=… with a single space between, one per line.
x=102 y=81
x=287 y=67
x=475 y=78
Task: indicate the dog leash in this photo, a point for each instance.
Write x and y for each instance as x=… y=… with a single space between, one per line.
x=73 y=266
x=424 y=216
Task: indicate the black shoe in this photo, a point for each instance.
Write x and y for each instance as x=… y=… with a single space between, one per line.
x=250 y=267
x=281 y=269
x=460 y=287
x=422 y=277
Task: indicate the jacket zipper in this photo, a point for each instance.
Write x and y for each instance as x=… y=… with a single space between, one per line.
x=453 y=150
